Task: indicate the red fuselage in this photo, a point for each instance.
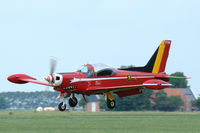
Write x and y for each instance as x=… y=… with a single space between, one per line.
x=77 y=82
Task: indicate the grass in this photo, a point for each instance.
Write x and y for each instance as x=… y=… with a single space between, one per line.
x=102 y=122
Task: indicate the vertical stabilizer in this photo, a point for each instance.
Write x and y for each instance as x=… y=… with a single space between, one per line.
x=161 y=57
x=157 y=62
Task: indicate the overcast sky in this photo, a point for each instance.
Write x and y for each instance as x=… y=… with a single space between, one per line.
x=114 y=32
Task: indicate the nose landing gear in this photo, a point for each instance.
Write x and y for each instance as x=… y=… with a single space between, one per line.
x=62 y=106
x=72 y=101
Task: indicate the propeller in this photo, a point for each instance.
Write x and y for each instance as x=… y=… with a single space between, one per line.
x=50 y=77
x=53 y=63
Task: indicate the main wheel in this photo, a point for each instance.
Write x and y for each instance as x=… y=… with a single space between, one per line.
x=110 y=104
x=62 y=106
x=73 y=102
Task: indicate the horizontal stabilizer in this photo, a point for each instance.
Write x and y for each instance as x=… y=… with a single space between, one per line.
x=172 y=77
x=156 y=84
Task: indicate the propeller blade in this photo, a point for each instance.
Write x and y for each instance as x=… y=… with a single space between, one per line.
x=52 y=64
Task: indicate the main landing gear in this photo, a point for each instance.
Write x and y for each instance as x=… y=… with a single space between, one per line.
x=110 y=101
x=72 y=101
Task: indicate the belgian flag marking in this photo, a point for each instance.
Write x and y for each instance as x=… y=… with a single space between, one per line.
x=159 y=57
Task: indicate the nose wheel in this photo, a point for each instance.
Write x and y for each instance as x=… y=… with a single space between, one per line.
x=72 y=101
x=62 y=106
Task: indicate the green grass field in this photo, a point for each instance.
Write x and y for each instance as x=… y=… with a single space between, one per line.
x=103 y=122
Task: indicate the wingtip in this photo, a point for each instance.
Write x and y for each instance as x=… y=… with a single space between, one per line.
x=18 y=78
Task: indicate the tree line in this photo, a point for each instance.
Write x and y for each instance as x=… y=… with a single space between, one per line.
x=28 y=100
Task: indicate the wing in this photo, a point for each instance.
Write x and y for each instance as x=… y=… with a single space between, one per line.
x=121 y=91
x=22 y=79
x=102 y=89
x=96 y=88
x=154 y=84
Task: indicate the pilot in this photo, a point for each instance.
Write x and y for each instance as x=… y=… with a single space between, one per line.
x=90 y=72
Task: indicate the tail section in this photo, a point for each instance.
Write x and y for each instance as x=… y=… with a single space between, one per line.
x=157 y=62
x=160 y=57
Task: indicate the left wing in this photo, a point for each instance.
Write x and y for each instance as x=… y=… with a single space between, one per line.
x=154 y=84
x=121 y=91
x=111 y=88
x=96 y=88
x=105 y=88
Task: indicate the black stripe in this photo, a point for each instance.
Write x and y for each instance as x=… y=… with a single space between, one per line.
x=149 y=66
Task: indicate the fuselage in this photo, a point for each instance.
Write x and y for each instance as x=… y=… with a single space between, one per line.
x=78 y=82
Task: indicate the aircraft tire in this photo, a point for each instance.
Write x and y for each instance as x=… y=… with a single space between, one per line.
x=61 y=107
x=73 y=102
x=110 y=104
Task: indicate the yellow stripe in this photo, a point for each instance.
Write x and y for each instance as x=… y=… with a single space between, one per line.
x=159 y=57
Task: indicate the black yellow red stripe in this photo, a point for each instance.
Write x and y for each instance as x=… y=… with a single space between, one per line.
x=165 y=56
x=159 y=57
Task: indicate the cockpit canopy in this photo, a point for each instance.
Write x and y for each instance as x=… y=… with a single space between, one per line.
x=95 y=70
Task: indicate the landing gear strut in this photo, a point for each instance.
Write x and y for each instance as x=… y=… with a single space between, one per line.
x=110 y=101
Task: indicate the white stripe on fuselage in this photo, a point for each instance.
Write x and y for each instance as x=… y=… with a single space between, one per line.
x=110 y=78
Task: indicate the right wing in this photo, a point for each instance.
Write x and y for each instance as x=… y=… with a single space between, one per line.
x=22 y=79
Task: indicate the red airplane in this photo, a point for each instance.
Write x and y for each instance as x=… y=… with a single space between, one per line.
x=92 y=79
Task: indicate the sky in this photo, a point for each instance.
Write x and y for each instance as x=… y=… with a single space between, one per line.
x=113 y=32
